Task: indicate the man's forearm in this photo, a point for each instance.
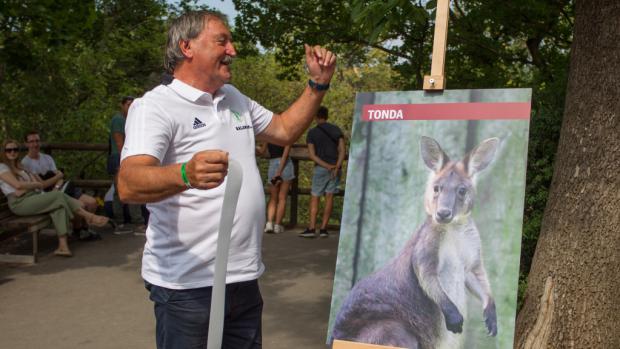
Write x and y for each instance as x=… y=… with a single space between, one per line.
x=340 y=160
x=321 y=163
x=119 y=140
x=145 y=183
x=50 y=182
x=341 y=152
x=296 y=119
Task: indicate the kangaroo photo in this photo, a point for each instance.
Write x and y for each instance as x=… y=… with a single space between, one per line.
x=430 y=238
x=418 y=300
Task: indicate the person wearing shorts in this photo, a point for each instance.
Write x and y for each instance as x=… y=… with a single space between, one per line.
x=279 y=178
x=327 y=149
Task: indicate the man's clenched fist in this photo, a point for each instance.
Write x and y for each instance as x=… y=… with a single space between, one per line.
x=207 y=169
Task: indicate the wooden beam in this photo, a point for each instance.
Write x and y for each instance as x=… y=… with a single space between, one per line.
x=437 y=80
x=17 y=258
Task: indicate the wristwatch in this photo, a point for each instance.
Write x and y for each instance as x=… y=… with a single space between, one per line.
x=317 y=86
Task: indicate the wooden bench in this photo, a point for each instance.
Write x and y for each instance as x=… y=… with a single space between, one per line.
x=10 y=223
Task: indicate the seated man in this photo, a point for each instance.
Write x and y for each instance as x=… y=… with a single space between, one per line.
x=43 y=165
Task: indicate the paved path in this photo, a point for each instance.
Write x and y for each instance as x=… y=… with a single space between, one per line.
x=97 y=299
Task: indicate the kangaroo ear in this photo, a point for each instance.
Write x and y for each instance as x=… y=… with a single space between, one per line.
x=432 y=154
x=481 y=156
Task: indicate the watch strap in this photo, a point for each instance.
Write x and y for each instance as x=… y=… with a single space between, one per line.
x=317 y=86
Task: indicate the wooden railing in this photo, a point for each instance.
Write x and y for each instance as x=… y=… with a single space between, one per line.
x=299 y=152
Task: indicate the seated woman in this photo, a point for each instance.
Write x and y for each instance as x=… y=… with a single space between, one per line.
x=280 y=175
x=25 y=198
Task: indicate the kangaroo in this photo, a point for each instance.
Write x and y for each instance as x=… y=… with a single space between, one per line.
x=418 y=299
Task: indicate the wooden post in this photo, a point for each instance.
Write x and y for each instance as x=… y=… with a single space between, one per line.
x=294 y=195
x=339 y=344
x=437 y=81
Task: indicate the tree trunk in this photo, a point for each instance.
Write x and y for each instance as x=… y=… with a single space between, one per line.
x=573 y=296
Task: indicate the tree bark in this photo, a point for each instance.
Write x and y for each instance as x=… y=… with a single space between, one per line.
x=573 y=296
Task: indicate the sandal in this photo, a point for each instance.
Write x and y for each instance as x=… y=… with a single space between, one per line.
x=97 y=221
x=63 y=253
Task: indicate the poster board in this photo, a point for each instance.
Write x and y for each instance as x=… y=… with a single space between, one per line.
x=384 y=204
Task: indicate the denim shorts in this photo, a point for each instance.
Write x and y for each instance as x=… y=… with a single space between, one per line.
x=288 y=173
x=323 y=183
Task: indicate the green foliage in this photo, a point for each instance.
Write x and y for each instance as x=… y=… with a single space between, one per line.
x=491 y=44
x=64 y=66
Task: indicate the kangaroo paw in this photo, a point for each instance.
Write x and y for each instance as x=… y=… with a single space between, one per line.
x=454 y=319
x=490 y=319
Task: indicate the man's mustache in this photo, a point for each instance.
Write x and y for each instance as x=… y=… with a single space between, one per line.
x=227 y=60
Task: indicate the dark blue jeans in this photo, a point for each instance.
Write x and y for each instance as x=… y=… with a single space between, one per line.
x=183 y=316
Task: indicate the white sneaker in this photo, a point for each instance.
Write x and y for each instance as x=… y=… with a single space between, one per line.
x=277 y=229
x=122 y=229
x=269 y=228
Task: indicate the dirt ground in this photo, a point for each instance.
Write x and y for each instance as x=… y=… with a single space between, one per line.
x=97 y=299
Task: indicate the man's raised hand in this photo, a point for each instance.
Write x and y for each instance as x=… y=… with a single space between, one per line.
x=207 y=169
x=321 y=63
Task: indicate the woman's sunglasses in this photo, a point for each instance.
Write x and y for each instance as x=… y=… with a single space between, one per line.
x=11 y=150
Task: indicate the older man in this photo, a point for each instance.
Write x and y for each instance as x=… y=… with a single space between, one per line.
x=179 y=138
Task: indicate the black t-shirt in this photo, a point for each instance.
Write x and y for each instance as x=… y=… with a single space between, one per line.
x=275 y=151
x=325 y=138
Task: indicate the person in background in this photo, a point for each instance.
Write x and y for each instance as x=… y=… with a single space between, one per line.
x=117 y=141
x=25 y=197
x=44 y=166
x=279 y=177
x=327 y=149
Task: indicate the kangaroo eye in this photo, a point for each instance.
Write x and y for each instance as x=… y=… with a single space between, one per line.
x=436 y=189
x=462 y=191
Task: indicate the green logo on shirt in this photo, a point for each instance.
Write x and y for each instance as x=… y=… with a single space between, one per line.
x=237 y=115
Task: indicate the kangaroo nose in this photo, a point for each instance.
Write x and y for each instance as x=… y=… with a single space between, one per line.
x=444 y=214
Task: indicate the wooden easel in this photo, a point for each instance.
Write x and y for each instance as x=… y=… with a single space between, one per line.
x=434 y=82
x=437 y=80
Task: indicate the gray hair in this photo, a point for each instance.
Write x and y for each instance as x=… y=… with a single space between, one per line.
x=184 y=28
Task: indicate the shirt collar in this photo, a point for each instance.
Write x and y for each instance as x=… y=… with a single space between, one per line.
x=193 y=94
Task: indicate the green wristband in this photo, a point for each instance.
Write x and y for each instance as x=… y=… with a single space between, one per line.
x=184 y=176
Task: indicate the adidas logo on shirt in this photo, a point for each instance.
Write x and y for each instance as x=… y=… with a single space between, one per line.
x=198 y=123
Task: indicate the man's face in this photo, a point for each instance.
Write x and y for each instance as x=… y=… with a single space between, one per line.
x=33 y=142
x=125 y=107
x=213 y=51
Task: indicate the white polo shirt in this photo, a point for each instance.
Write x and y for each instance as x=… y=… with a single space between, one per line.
x=172 y=123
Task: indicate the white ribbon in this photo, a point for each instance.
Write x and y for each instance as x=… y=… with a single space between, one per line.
x=218 y=297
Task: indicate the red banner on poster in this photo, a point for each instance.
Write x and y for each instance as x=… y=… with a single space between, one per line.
x=447 y=111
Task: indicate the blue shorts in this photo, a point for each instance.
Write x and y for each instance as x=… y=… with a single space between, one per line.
x=288 y=173
x=323 y=183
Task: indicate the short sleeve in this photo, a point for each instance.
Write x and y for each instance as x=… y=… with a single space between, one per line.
x=261 y=116
x=310 y=139
x=340 y=134
x=51 y=163
x=4 y=168
x=25 y=162
x=148 y=130
x=117 y=125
